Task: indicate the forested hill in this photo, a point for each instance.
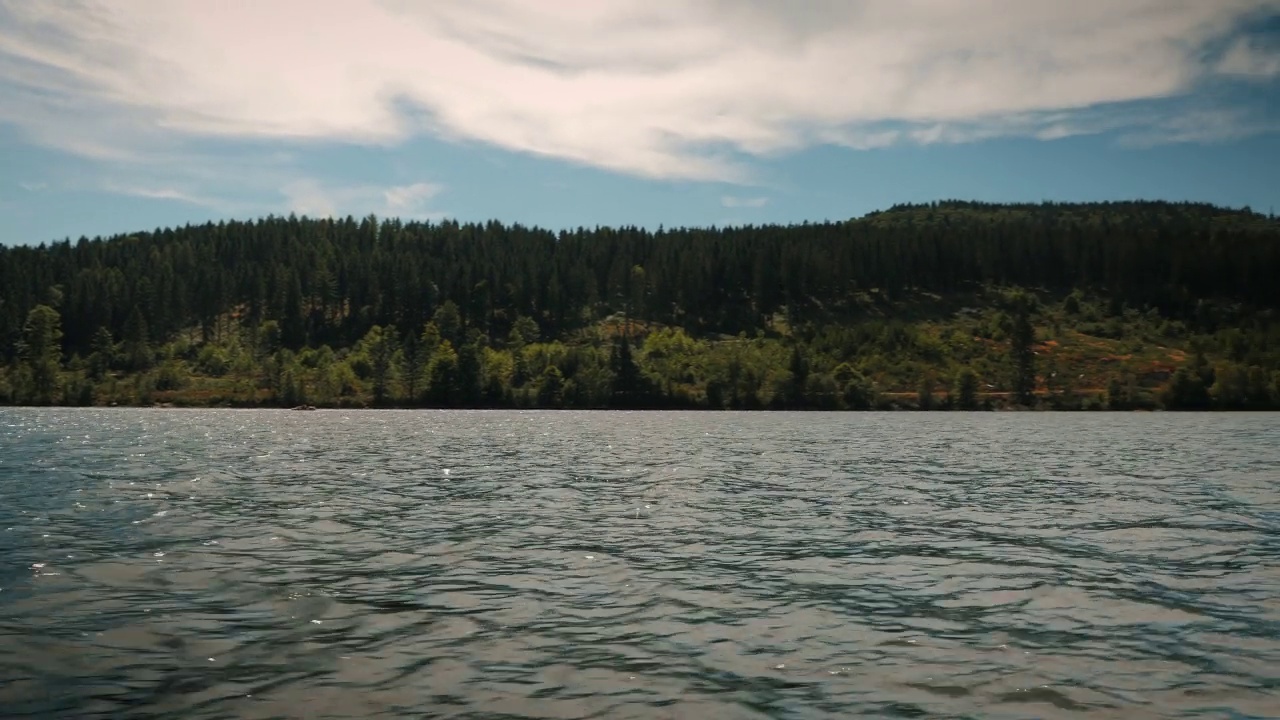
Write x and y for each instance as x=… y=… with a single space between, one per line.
x=953 y=303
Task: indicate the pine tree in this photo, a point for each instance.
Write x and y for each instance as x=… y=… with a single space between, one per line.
x=137 y=341
x=42 y=351
x=102 y=353
x=1022 y=341
x=629 y=386
x=966 y=390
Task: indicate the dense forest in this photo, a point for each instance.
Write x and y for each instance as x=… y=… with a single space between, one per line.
x=956 y=305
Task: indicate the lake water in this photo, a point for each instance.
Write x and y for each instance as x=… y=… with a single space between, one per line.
x=331 y=564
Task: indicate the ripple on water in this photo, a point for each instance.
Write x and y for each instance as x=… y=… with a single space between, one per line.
x=208 y=564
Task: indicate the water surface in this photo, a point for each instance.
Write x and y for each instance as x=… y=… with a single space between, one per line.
x=331 y=564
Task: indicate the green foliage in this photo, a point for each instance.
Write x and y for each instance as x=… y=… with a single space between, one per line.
x=41 y=348
x=1022 y=348
x=1119 y=397
x=172 y=375
x=966 y=390
x=1186 y=391
x=442 y=375
x=103 y=355
x=7 y=394
x=137 y=342
x=924 y=397
x=1122 y=305
x=551 y=387
x=449 y=321
x=213 y=361
x=376 y=353
x=523 y=331
x=856 y=391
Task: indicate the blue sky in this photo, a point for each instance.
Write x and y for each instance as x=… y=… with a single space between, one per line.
x=137 y=114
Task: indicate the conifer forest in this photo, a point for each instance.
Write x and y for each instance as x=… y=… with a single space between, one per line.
x=951 y=305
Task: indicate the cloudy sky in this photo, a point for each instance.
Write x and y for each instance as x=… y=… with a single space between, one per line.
x=119 y=115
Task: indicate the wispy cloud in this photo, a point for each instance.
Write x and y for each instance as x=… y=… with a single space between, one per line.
x=1203 y=126
x=670 y=90
x=410 y=198
x=308 y=196
x=33 y=186
x=158 y=193
x=862 y=138
x=1251 y=58
x=731 y=201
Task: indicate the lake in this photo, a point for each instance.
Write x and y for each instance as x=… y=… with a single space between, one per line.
x=360 y=564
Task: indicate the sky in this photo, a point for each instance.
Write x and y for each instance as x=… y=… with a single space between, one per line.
x=129 y=115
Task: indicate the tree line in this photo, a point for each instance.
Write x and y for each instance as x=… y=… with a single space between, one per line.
x=950 y=304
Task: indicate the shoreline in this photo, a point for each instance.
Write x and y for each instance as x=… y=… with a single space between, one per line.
x=876 y=410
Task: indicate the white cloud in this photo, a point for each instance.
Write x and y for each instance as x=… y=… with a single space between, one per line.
x=157 y=193
x=1204 y=126
x=308 y=196
x=410 y=198
x=33 y=186
x=1250 y=59
x=658 y=89
x=731 y=201
x=862 y=138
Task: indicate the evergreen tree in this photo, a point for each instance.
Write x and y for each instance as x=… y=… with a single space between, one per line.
x=523 y=331
x=449 y=322
x=470 y=389
x=770 y=313
x=799 y=368
x=1022 y=344
x=380 y=347
x=1186 y=391
x=924 y=397
x=42 y=351
x=1117 y=396
x=410 y=364
x=442 y=375
x=629 y=386
x=137 y=341
x=966 y=390
x=551 y=388
x=102 y=353
x=293 y=329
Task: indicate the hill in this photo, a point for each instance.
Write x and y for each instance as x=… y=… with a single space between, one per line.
x=951 y=304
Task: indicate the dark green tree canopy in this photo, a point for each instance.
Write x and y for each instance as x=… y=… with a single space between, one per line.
x=452 y=313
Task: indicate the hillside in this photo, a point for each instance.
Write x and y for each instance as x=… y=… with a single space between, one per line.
x=953 y=304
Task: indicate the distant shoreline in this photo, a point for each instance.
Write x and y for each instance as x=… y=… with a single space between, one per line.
x=878 y=410
x=1055 y=307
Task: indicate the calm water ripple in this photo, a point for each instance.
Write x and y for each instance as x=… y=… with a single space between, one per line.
x=271 y=564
